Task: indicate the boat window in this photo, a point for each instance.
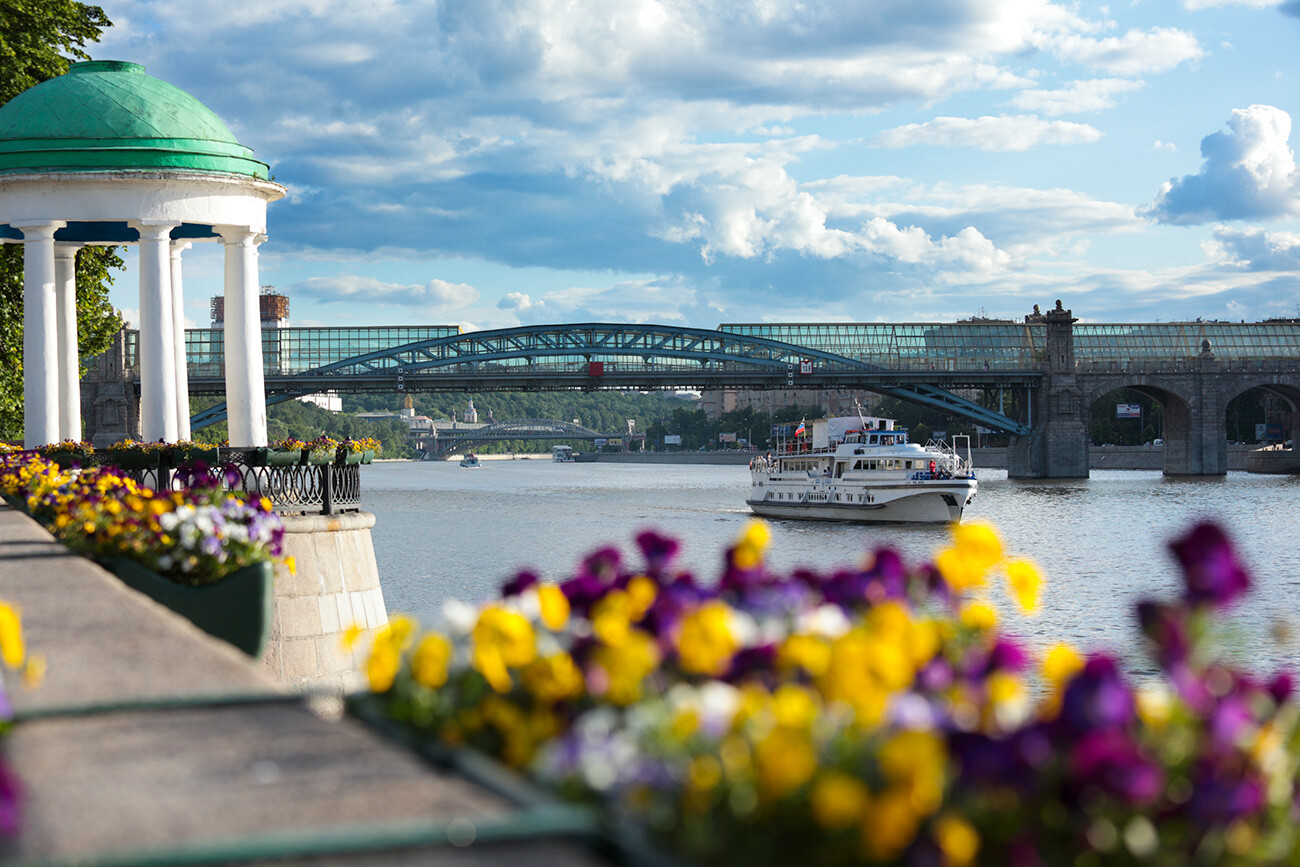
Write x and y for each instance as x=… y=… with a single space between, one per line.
x=907 y=465
x=874 y=439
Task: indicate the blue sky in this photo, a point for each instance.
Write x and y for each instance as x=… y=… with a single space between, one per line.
x=694 y=162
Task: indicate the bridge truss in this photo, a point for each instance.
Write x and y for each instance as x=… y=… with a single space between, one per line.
x=596 y=356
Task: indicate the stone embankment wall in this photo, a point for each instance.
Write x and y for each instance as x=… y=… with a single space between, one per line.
x=1099 y=457
x=335 y=586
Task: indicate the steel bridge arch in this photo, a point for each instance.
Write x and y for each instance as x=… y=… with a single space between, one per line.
x=713 y=350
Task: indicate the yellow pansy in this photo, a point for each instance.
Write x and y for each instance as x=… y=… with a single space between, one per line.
x=554 y=605
x=12 y=649
x=979 y=615
x=554 y=678
x=751 y=545
x=1025 y=582
x=808 y=652
x=838 y=800
x=430 y=661
x=784 y=761
x=706 y=644
x=957 y=839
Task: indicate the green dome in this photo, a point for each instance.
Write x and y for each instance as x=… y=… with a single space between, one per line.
x=106 y=115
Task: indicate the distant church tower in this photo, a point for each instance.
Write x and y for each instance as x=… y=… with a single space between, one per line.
x=471 y=414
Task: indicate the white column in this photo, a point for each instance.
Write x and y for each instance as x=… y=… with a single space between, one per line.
x=157 y=346
x=65 y=313
x=40 y=336
x=182 y=370
x=245 y=383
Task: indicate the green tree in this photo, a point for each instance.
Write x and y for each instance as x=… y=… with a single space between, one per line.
x=38 y=39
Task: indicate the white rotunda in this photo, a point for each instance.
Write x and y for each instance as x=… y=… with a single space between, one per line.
x=106 y=154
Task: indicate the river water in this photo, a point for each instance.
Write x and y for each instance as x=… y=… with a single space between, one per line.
x=443 y=531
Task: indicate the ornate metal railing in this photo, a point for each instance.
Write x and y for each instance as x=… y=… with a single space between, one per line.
x=311 y=488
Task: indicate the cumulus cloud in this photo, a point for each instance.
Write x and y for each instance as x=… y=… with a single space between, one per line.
x=1254 y=249
x=1248 y=172
x=1015 y=133
x=353 y=289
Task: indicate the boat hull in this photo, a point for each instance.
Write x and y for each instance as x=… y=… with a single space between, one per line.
x=909 y=505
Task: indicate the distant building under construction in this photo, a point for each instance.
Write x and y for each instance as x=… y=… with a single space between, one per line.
x=274 y=308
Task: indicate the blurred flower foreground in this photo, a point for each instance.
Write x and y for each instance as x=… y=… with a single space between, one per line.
x=871 y=715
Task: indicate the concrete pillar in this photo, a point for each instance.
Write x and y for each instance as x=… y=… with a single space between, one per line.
x=178 y=318
x=65 y=306
x=245 y=383
x=157 y=345
x=40 y=335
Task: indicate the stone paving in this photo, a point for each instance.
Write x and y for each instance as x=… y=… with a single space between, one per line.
x=150 y=742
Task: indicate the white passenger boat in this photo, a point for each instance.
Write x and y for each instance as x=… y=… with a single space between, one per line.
x=862 y=469
x=562 y=454
x=469 y=460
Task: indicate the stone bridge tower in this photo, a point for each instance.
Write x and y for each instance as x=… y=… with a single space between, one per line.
x=1058 y=410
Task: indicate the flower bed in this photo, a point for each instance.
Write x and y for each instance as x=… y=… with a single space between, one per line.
x=195 y=535
x=875 y=714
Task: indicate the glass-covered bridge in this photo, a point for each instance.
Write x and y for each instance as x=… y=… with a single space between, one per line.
x=917 y=347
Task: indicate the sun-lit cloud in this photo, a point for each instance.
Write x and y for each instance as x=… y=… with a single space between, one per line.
x=1254 y=249
x=1248 y=172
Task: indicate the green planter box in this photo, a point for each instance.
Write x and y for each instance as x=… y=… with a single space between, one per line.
x=319 y=458
x=351 y=458
x=67 y=459
x=282 y=457
x=367 y=456
x=133 y=459
x=209 y=456
x=237 y=609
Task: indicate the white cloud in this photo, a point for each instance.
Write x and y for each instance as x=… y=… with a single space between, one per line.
x=1079 y=96
x=1136 y=52
x=352 y=289
x=1196 y=5
x=1248 y=172
x=1254 y=249
x=1006 y=133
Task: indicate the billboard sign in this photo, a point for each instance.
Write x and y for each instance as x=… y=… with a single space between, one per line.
x=673 y=439
x=1128 y=410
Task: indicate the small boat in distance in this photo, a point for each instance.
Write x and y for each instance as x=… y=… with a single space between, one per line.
x=566 y=455
x=469 y=460
x=861 y=469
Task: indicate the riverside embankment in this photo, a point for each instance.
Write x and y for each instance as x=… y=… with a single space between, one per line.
x=1100 y=457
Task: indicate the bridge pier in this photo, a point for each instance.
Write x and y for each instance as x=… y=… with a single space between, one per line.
x=1057 y=448
x=1196 y=429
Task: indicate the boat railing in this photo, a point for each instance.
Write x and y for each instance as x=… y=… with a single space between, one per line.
x=950 y=460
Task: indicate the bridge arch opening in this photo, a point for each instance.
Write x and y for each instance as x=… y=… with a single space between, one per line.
x=1156 y=414
x=1264 y=415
